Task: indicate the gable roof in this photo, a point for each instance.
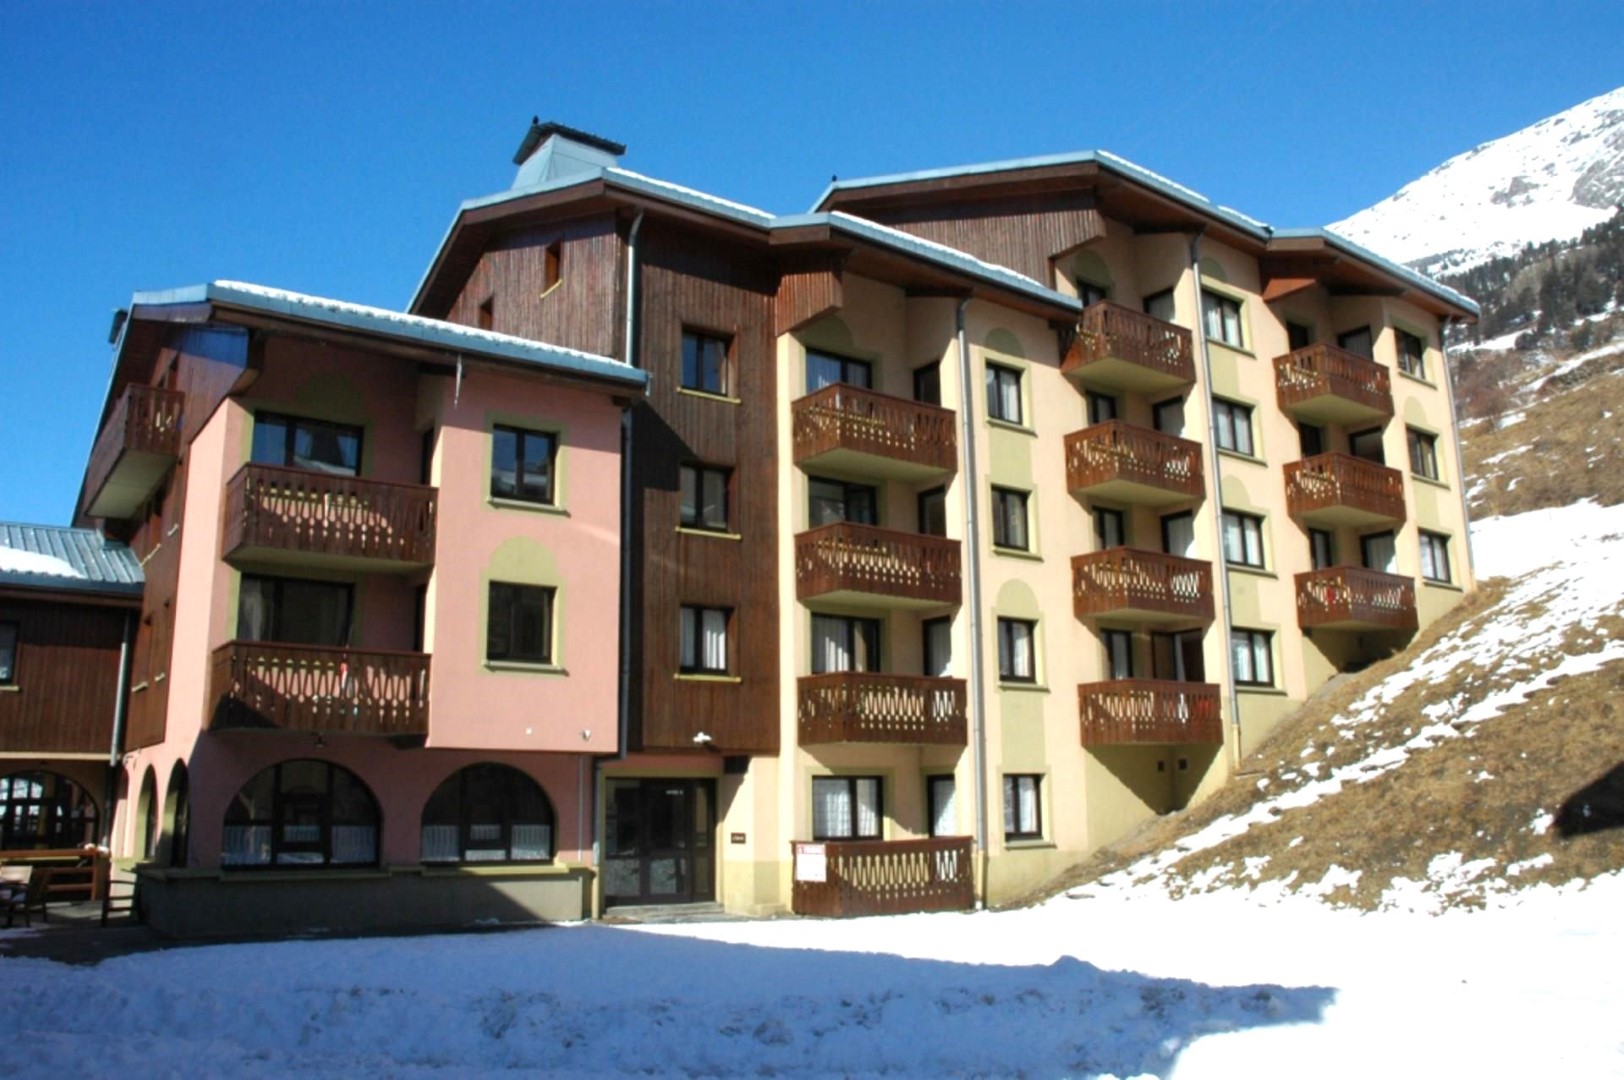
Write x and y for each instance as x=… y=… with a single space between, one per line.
x=72 y=560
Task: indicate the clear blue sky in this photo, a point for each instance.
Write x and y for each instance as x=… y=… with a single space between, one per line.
x=324 y=147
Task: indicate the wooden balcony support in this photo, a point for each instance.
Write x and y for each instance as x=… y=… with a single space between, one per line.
x=133 y=451
x=1123 y=712
x=1129 y=463
x=848 y=427
x=301 y=516
x=1353 y=598
x=1141 y=586
x=872 y=707
x=1339 y=489
x=1327 y=385
x=269 y=686
x=882 y=877
x=859 y=563
x=1118 y=348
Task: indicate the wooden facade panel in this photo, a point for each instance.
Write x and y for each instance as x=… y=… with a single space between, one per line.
x=808 y=293
x=66 y=678
x=154 y=642
x=1022 y=234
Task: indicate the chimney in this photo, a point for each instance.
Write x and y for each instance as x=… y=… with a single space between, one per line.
x=550 y=151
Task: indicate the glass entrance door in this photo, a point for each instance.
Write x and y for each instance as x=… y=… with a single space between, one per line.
x=657 y=842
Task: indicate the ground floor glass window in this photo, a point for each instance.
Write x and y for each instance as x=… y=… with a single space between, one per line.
x=301 y=813
x=488 y=813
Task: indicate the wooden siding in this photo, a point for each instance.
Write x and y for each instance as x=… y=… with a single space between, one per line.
x=1022 y=233
x=66 y=679
x=808 y=293
x=154 y=642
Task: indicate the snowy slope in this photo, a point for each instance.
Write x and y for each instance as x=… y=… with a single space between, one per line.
x=1549 y=181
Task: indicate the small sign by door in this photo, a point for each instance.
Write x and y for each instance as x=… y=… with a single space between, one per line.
x=811 y=863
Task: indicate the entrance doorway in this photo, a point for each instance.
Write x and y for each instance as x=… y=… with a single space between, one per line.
x=657 y=842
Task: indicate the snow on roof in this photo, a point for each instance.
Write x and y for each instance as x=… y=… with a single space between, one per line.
x=51 y=556
x=686 y=194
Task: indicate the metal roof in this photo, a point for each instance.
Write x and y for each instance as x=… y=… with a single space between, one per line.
x=76 y=560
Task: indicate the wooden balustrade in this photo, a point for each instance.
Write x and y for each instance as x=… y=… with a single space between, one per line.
x=1124 y=712
x=861 y=559
x=1339 y=489
x=872 y=707
x=133 y=450
x=322 y=514
x=1120 y=348
x=1134 y=464
x=882 y=877
x=267 y=685
x=1146 y=585
x=1353 y=598
x=1330 y=385
x=849 y=421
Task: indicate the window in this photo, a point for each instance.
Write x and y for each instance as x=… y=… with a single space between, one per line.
x=1090 y=293
x=938 y=647
x=487 y=813
x=552 y=266
x=1178 y=657
x=1221 y=316
x=1435 y=557
x=294 y=611
x=1009 y=519
x=1160 y=305
x=1023 y=820
x=306 y=444
x=1254 y=657
x=520 y=623
x=1233 y=422
x=941 y=793
x=1412 y=354
x=834 y=500
x=45 y=810
x=1168 y=416
x=1118 y=653
x=301 y=813
x=1379 y=551
x=8 y=653
x=1321 y=548
x=1367 y=445
x=704 y=497
x=704 y=362
x=1017 y=659
x=1178 y=534
x=1423 y=453
x=933 y=512
x=846 y=808
x=1310 y=439
x=825 y=369
x=840 y=643
x=927 y=383
x=1358 y=341
x=1298 y=335
x=523 y=464
x=1101 y=408
x=1004 y=393
x=703 y=647
x=1243 y=539
x=1110 y=528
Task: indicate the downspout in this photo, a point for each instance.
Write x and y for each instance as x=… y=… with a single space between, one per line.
x=1209 y=450
x=972 y=574
x=1454 y=432
x=121 y=707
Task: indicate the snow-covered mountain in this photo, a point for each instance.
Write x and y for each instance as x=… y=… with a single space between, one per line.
x=1550 y=181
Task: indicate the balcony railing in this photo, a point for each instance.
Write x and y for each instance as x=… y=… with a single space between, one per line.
x=1143 y=586
x=1353 y=598
x=262 y=685
x=849 y=426
x=274 y=509
x=870 y=707
x=853 y=562
x=1324 y=384
x=134 y=450
x=1339 y=489
x=882 y=877
x=1117 y=460
x=1123 y=349
x=1125 y=712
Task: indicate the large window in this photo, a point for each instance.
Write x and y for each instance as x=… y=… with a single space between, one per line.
x=826 y=369
x=846 y=808
x=840 y=643
x=1017 y=650
x=519 y=626
x=704 y=497
x=301 y=813
x=1221 y=317
x=44 y=810
x=1412 y=354
x=1254 y=657
x=705 y=362
x=1243 y=539
x=829 y=501
x=1023 y=814
x=1004 y=394
x=293 y=610
x=306 y=444
x=703 y=640
x=1233 y=422
x=523 y=465
x=1009 y=519
x=487 y=813
x=8 y=653
x=1423 y=453
x=1435 y=557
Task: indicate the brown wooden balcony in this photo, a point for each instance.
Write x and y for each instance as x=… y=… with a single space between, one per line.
x=1353 y=598
x=1338 y=489
x=882 y=877
x=862 y=564
x=1326 y=385
x=133 y=451
x=269 y=686
x=872 y=707
x=1149 y=712
x=1130 y=585
x=1118 y=348
x=1128 y=463
x=286 y=516
x=848 y=428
